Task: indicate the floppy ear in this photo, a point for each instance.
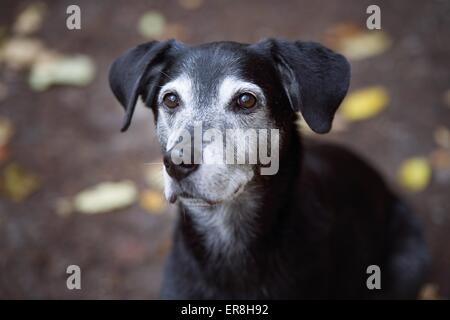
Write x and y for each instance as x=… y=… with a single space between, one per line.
x=136 y=72
x=315 y=78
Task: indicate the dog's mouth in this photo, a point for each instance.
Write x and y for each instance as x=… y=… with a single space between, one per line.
x=199 y=201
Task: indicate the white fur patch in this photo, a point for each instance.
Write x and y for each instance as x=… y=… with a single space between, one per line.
x=232 y=85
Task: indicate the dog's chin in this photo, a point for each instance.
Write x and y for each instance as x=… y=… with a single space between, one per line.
x=198 y=200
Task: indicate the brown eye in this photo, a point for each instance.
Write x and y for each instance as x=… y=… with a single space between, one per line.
x=171 y=100
x=246 y=100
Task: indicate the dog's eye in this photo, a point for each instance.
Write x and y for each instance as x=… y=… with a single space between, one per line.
x=171 y=100
x=246 y=100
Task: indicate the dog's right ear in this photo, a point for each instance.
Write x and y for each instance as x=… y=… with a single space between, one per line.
x=137 y=71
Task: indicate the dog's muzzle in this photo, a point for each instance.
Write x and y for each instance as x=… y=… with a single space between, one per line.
x=178 y=171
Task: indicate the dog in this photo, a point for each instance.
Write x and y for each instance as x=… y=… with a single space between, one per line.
x=310 y=231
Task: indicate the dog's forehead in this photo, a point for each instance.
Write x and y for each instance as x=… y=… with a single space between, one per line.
x=206 y=66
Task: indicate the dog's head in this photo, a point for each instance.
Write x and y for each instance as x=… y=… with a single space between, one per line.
x=206 y=98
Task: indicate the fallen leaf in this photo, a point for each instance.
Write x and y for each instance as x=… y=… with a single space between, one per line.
x=152 y=201
x=20 y=53
x=152 y=24
x=6 y=131
x=76 y=71
x=357 y=43
x=30 y=19
x=364 y=103
x=190 y=4
x=442 y=137
x=414 y=174
x=429 y=291
x=105 y=197
x=153 y=174
x=17 y=183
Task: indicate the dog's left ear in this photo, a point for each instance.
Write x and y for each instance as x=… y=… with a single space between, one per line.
x=315 y=78
x=138 y=71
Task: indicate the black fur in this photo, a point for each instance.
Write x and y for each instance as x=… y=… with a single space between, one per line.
x=325 y=216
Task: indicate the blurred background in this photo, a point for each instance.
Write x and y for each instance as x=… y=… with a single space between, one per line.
x=74 y=190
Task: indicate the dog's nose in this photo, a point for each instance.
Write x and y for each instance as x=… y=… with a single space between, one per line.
x=178 y=171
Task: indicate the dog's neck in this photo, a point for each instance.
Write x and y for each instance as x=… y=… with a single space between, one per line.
x=227 y=228
x=230 y=228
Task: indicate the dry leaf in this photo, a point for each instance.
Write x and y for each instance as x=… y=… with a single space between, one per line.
x=430 y=291
x=414 y=174
x=30 y=19
x=190 y=4
x=20 y=53
x=152 y=201
x=152 y=25
x=442 y=137
x=364 y=103
x=17 y=183
x=153 y=173
x=356 y=43
x=105 y=197
x=77 y=71
x=6 y=131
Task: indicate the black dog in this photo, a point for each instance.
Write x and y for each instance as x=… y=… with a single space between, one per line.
x=309 y=231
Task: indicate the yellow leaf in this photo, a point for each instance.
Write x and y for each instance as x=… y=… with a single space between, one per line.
x=357 y=43
x=152 y=201
x=76 y=71
x=105 y=197
x=30 y=19
x=153 y=173
x=152 y=24
x=20 y=53
x=365 y=103
x=17 y=183
x=414 y=174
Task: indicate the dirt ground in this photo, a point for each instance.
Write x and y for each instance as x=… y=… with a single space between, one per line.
x=70 y=136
